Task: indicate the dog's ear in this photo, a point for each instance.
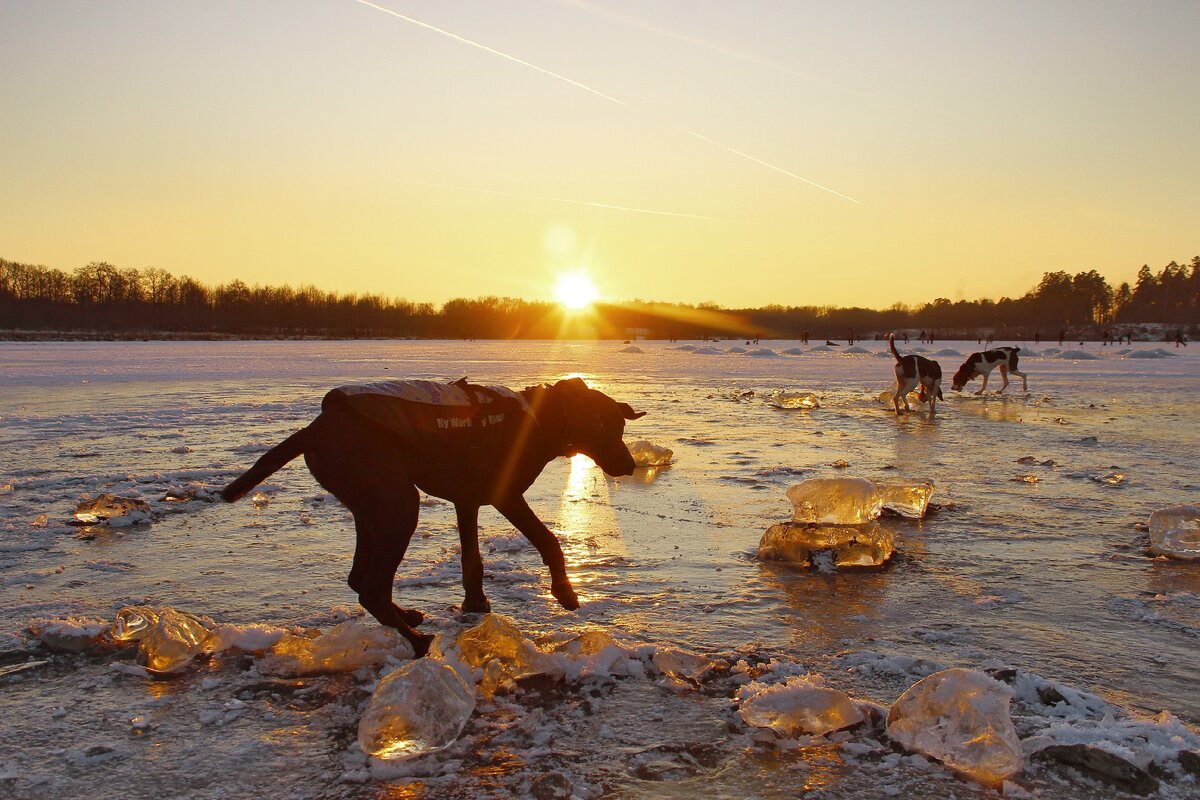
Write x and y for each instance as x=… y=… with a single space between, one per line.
x=628 y=413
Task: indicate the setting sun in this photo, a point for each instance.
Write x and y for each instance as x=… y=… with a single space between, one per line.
x=576 y=291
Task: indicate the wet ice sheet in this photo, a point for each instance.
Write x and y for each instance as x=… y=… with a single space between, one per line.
x=1051 y=576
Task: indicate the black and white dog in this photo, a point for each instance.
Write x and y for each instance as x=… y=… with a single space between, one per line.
x=983 y=363
x=913 y=371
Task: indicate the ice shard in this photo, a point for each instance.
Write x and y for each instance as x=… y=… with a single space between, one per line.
x=344 y=647
x=647 y=454
x=1175 y=532
x=681 y=665
x=869 y=545
x=174 y=640
x=961 y=718
x=497 y=638
x=802 y=400
x=854 y=501
x=418 y=709
x=110 y=508
x=801 y=705
x=133 y=623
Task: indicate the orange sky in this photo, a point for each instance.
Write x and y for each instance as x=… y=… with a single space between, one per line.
x=670 y=149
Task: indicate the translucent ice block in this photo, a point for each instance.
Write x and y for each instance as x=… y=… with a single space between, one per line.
x=418 y=709
x=344 y=647
x=869 y=545
x=803 y=400
x=801 y=705
x=174 y=641
x=133 y=623
x=961 y=718
x=111 y=507
x=497 y=638
x=646 y=454
x=1175 y=532
x=853 y=501
x=681 y=665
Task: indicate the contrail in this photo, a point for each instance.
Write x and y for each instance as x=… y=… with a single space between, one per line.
x=769 y=165
x=487 y=49
x=692 y=40
x=611 y=206
x=596 y=92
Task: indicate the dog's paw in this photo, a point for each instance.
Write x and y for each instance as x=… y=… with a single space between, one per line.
x=420 y=643
x=480 y=606
x=565 y=595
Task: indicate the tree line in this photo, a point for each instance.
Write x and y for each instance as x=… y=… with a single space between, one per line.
x=102 y=299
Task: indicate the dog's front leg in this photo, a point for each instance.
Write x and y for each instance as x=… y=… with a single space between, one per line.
x=983 y=388
x=518 y=512
x=474 y=600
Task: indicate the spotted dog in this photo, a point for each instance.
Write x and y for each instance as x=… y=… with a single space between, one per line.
x=983 y=363
x=916 y=372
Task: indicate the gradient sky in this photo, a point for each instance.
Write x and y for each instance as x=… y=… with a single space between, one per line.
x=326 y=142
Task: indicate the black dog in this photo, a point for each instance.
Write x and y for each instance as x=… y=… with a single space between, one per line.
x=374 y=445
x=913 y=371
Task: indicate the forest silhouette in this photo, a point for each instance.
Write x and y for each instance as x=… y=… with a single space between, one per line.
x=102 y=300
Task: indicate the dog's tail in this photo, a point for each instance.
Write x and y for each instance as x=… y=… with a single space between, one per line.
x=271 y=461
x=892 y=346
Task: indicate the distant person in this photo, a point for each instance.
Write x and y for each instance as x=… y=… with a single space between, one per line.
x=804 y=335
x=906 y=337
x=1061 y=336
x=922 y=336
x=1179 y=340
x=850 y=339
x=1037 y=337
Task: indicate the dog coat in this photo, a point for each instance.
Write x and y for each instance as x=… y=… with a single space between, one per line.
x=444 y=423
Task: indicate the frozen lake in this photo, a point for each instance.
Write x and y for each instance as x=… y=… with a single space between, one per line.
x=1036 y=565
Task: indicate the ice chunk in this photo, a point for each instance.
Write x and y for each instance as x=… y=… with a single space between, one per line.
x=961 y=718
x=261 y=500
x=857 y=350
x=67 y=635
x=497 y=638
x=633 y=348
x=1077 y=355
x=646 y=454
x=762 y=352
x=805 y=400
x=116 y=510
x=1175 y=532
x=133 y=623
x=175 y=639
x=682 y=666
x=801 y=705
x=869 y=545
x=587 y=643
x=344 y=647
x=835 y=501
x=853 y=501
x=418 y=709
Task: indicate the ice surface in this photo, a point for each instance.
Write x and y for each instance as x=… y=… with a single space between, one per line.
x=115 y=510
x=646 y=454
x=853 y=501
x=804 y=400
x=174 y=640
x=344 y=647
x=856 y=349
x=868 y=545
x=682 y=666
x=763 y=352
x=1175 y=532
x=418 y=709
x=1076 y=355
x=961 y=718
x=633 y=348
x=801 y=705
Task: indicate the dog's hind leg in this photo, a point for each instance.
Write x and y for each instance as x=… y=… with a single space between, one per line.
x=364 y=549
x=1004 y=375
x=518 y=512
x=389 y=532
x=474 y=600
x=1024 y=382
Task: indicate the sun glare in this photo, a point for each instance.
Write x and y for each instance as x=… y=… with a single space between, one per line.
x=575 y=291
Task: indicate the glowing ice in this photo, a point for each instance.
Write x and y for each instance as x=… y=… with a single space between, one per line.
x=113 y=509
x=497 y=638
x=133 y=623
x=682 y=666
x=804 y=400
x=853 y=501
x=342 y=648
x=1175 y=532
x=961 y=718
x=418 y=709
x=587 y=643
x=801 y=705
x=850 y=546
x=646 y=454
x=174 y=640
